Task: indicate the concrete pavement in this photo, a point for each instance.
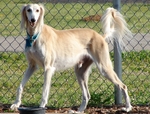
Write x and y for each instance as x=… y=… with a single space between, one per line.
x=16 y=43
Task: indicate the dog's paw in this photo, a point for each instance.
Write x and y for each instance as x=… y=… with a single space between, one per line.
x=128 y=109
x=15 y=106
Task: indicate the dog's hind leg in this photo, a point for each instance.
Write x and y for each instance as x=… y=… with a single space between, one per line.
x=82 y=74
x=109 y=73
x=31 y=68
x=104 y=65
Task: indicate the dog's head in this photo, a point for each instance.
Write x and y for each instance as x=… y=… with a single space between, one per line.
x=32 y=15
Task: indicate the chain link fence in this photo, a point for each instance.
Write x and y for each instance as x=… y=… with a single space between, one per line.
x=65 y=91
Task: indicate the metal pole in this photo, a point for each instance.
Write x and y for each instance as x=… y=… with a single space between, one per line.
x=117 y=61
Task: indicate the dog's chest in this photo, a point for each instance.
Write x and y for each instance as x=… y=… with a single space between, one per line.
x=36 y=55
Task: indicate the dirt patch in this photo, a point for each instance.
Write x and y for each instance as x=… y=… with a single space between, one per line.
x=92 y=18
x=89 y=110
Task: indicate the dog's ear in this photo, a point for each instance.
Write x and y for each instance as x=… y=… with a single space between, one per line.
x=42 y=12
x=23 y=17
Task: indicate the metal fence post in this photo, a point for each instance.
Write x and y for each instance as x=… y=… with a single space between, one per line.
x=117 y=61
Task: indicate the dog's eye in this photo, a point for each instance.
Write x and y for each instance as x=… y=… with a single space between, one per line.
x=29 y=10
x=37 y=10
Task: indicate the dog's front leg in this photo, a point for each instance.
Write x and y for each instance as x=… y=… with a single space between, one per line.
x=47 y=83
x=26 y=77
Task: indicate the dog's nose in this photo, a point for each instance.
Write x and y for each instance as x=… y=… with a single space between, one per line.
x=33 y=20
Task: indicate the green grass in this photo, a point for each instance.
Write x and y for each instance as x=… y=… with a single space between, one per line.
x=65 y=91
x=69 y=15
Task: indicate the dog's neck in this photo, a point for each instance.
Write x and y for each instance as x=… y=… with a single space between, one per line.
x=31 y=39
x=32 y=35
x=31 y=31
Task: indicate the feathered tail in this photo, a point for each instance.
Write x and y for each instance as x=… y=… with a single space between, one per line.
x=115 y=26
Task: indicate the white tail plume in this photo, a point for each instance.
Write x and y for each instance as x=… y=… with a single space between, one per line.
x=115 y=26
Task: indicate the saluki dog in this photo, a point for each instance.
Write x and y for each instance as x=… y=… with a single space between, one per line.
x=56 y=50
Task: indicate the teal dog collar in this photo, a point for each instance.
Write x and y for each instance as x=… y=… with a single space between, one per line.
x=31 y=39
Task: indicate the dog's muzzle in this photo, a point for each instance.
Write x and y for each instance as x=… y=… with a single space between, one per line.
x=32 y=22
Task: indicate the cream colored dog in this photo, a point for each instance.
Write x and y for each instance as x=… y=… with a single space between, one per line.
x=56 y=50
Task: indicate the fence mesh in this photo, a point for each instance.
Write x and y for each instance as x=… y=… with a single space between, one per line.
x=65 y=91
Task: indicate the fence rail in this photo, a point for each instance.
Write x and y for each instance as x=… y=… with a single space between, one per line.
x=65 y=91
